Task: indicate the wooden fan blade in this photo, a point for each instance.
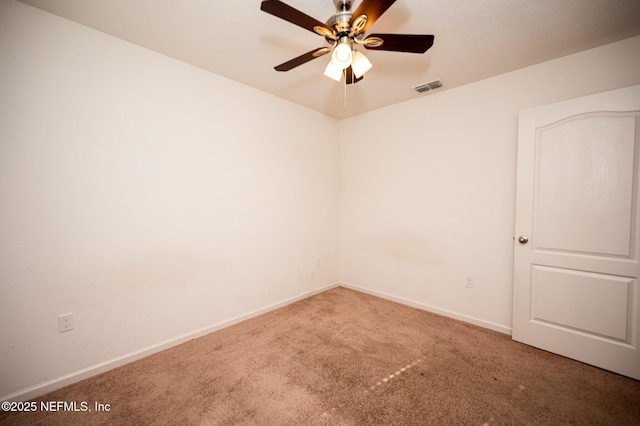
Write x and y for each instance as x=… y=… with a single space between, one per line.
x=373 y=9
x=290 y=14
x=303 y=59
x=351 y=77
x=412 y=43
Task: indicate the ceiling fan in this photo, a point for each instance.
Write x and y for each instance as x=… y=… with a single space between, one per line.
x=344 y=31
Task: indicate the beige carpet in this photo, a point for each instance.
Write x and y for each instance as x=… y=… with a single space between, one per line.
x=347 y=358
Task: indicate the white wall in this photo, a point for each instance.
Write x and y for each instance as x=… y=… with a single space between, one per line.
x=427 y=187
x=150 y=198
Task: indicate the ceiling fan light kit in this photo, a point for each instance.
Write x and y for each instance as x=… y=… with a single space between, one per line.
x=342 y=53
x=343 y=31
x=360 y=64
x=333 y=71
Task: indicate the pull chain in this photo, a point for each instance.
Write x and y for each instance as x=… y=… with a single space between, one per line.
x=345 y=89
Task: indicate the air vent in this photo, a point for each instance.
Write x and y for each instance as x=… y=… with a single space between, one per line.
x=425 y=87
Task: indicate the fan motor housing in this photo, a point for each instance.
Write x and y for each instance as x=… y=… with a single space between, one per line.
x=340 y=21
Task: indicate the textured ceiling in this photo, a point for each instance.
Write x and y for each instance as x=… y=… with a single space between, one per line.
x=473 y=40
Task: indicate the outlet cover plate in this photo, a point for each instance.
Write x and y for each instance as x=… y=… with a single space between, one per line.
x=468 y=282
x=65 y=322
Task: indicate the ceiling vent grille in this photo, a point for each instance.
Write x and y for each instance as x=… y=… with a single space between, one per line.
x=425 y=87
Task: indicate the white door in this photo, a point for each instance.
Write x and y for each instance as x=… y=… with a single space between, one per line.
x=577 y=251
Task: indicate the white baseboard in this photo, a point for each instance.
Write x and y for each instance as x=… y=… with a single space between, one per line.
x=68 y=379
x=476 y=321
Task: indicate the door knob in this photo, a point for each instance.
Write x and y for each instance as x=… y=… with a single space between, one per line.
x=523 y=239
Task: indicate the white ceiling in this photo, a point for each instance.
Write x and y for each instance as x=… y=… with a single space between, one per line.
x=473 y=40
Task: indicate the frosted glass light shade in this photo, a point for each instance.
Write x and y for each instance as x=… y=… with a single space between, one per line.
x=333 y=71
x=342 y=55
x=360 y=64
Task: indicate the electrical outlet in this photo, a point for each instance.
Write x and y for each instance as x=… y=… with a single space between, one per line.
x=317 y=262
x=468 y=282
x=65 y=322
x=312 y=276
